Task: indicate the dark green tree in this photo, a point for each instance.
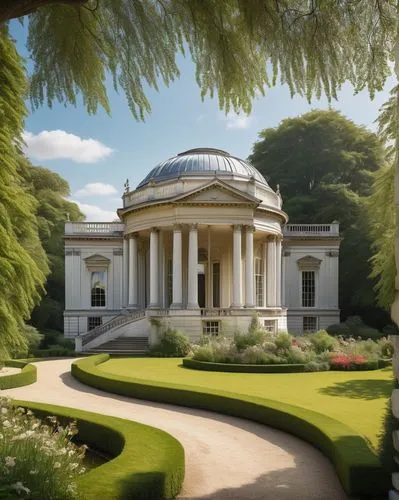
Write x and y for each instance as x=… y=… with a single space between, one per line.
x=324 y=164
x=50 y=191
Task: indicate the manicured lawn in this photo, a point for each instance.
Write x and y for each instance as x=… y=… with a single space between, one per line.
x=357 y=399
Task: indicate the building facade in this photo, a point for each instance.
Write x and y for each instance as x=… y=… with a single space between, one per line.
x=202 y=245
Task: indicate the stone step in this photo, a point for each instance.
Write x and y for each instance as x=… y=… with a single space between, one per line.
x=122 y=346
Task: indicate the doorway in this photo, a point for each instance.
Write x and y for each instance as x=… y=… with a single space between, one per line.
x=201 y=290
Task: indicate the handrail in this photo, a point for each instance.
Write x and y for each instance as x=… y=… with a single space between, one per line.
x=312 y=229
x=121 y=319
x=215 y=311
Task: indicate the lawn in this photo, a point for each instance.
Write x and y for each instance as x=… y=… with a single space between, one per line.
x=357 y=399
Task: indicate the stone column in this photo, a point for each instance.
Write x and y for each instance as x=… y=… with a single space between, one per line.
x=154 y=279
x=192 y=296
x=271 y=272
x=249 y=266
x=265 y=273
x=278 y=271
x=125 y=272
x=177 y=295
x=133 y=274
x=237 y=281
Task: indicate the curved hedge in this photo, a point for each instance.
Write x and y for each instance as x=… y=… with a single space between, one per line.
x=357 y=466
x=148 y=463
x=241 y=367
x=27 y=375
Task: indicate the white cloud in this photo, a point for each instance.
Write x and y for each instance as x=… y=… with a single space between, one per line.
x=96 y=189
x=61 y=145
x=95 y=213
x=235 y=121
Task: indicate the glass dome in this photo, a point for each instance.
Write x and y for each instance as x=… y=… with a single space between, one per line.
x=207 y=162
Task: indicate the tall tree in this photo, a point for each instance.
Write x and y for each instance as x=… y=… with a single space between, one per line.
x=23 y=264
x=324 y=165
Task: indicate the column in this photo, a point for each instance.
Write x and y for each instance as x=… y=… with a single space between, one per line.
x=237 y=282
x=125 y=272
x=271 y=272
x=133 y=274
x=278 y=271
x=154 y=281
x=177 y=296
x=192 y=297
x=249 y=266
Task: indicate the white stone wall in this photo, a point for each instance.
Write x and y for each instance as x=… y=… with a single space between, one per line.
x=78 y=282
x=326 y=282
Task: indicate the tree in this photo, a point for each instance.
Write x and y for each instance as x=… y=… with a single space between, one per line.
x=324 y=165
x=49 y=190
x=23 y=264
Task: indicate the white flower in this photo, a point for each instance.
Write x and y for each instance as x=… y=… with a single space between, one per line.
x=4 y=411
x=73 y=466
x=35 y=426
x=10 y=461
x=19 y=488
x=71 y=452
x=33 y=472
x=71 y=488
x=6 y=423
x=57 y=465
x=1 y=436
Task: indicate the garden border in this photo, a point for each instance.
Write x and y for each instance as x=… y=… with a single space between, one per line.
x=27 y=375
x=148 y=463
x=356 y=464
x=210 y=366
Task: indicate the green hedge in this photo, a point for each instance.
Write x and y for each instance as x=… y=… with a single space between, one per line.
x=383 y=363
x=148 y=463
x=241 y=368
x=367 y=365
x=357 y=466
x=27 y=375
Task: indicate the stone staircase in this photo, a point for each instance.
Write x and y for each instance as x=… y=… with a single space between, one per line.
x=122 y=346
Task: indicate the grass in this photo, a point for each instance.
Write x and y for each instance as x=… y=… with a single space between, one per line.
x=357 y=399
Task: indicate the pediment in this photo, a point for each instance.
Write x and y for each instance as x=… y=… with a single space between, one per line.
x=217 y=193
x=97 y=260
x=308 y=263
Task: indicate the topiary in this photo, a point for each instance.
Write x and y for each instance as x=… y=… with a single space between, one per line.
x=339 y=329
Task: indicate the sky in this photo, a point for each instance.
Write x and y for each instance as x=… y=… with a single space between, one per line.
x=97 y=153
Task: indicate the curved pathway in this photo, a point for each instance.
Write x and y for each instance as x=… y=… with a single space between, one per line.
x=226 y=457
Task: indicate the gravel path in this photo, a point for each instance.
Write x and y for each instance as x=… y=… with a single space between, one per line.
x=226 y=457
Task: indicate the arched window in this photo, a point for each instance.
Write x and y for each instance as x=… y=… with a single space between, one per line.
x=98 y=289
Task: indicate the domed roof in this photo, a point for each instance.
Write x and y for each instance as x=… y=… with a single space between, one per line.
x=202 y=161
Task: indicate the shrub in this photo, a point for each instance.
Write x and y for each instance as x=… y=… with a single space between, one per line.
x=295 y=355
x=54 y=351
x=256 y=355
x=253 y=337
x=337 y=329
x=203 y=352
x=172 y=343
x=322 y=341
x=224 y=351
x=359 y=329
x=37 y=460
x=269 y=347
x=317 y=366
x=283 y=340
x=340 y=361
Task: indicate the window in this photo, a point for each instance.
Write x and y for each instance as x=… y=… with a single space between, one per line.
x=269 y=325
x=216 y=284
x=211 y=328
x=309 y=324
x=259 y=282
x=308 y=289
x=170 y=282
x=93 y=321
x=98 y=289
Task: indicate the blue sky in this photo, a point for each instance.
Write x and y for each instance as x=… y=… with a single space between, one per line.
x=122 y=148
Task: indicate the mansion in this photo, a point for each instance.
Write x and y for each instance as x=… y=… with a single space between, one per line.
x=202 y=244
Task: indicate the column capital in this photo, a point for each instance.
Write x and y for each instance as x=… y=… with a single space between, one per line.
x=249 y=229
x=237 y=227
x=177 y=227
x=132 y=236
x=193 y=227
x=154 y=229
x=271 y=237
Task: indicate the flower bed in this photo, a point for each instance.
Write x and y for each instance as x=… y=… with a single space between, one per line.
x=147 y=462
x=241 y=368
